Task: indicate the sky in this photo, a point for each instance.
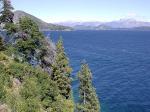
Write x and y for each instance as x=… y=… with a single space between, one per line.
x=85 y=10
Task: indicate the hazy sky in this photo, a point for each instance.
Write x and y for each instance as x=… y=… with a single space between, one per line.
x=85 y=10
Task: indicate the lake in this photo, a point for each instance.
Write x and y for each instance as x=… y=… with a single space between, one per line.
x=120 y=63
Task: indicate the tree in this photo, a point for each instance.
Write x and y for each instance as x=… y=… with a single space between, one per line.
x=6 y=13
x=88 y=98
x=11 y=29
x=61 y=71
x=29 y=40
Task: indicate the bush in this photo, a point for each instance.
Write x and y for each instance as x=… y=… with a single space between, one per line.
x=3 y=57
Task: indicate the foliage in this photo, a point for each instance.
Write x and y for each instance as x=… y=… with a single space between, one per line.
x=61 y=71
x=28 y=89
x=11 y=28
x=1 y=44
x=62 y=105
x=2 y=82
x=29 y=39
x=6 y=13
x=24 y=88
x=88 y=98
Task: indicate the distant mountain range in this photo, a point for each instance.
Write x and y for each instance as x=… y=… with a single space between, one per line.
x=42 y=25
x=122 y=24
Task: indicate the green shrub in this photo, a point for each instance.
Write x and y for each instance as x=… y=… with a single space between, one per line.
x=3 y=57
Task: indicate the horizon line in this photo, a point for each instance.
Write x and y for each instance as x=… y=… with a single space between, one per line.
x=52 y=20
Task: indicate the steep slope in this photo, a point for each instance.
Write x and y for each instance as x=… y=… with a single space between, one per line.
x=42 y=25
x=24 y=88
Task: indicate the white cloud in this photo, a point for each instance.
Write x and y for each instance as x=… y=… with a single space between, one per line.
x=131 y=14
x=136 y=16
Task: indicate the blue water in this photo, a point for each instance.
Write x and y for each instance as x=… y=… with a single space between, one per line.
x=120 y=62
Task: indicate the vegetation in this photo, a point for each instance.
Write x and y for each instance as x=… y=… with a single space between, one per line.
x=61 y=71
x=29 y=89
x=36 y=77
x=88 y=98
x=6 y=13
x=29 y=39
x=1 y=44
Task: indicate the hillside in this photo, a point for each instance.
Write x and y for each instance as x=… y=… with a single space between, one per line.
x=27 y=71
x=42 y=25
x=28 y=89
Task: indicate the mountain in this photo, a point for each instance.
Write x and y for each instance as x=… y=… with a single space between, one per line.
x=142 y=28
x=127 y=23
x=42 y=25
x=103 y=27
x=119 y=24
x=73 y=24
x=82 y=25
x=91 y=27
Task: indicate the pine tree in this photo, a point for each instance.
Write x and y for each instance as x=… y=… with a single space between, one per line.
x=88 y=98
x=61 y=71
x=6 y=13
x=29 y=40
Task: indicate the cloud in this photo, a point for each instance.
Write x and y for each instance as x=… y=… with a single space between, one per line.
x=131 y=15
x=136 y=16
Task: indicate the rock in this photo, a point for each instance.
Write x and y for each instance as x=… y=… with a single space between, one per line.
x=49 y=58
x=4 y=108
x=16 y=83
